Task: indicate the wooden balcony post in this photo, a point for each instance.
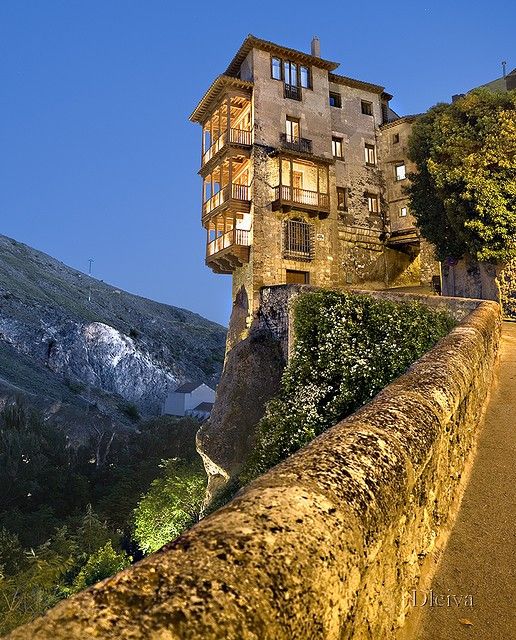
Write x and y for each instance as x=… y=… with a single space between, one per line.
x=228 y=106
x=230 y=177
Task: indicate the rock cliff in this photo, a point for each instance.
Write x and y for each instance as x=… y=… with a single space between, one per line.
x=76 y=347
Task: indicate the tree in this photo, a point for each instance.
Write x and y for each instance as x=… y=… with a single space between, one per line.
x=463 y=193
x=171 y=505
x=104 y=563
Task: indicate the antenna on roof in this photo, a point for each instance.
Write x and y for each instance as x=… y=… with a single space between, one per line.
x=504 y=63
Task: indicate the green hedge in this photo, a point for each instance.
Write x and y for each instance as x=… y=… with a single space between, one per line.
x=348 y=347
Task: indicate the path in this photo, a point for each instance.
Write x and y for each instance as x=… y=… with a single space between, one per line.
x=480 y=558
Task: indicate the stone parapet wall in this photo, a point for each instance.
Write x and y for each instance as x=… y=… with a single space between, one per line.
x=328 y=544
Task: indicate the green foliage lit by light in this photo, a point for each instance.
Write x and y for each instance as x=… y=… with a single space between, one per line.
x=348 y=347
x=101 y=564
x=463 y=194
x=171 y=505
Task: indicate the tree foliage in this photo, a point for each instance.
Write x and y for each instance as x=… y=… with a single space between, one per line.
x=66 y=515
x=171 y=505
x=463 y=194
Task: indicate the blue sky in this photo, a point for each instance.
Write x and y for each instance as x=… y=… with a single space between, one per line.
x=97 y=156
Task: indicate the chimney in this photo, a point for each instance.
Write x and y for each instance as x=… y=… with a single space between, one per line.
x=316 y=47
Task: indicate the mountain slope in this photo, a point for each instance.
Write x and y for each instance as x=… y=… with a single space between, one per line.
x=93 y=358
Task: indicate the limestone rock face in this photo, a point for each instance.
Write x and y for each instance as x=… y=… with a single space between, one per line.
x=68 y=341
x=251 y=377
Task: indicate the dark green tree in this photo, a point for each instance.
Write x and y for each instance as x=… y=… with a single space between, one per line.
x=463 y=193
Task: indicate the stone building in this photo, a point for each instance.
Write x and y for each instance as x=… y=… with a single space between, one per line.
x=302 y=174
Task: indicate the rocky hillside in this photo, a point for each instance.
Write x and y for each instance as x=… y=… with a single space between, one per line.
x=93 y=364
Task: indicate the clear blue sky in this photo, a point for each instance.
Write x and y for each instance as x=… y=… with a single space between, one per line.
x=97 y=157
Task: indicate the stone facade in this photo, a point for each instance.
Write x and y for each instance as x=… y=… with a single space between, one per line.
x=314 y=164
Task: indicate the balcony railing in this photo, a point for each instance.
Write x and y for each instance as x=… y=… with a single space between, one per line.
x=294 y=195
x=292 y=92
x=234 y=191
x=240 y=137
x=301 y=145
x=239 y=237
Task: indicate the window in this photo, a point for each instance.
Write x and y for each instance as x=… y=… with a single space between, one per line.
x=342 y=199
x=298 y=240
x=395 y=138
x=372 y=203
x=367 y=108
x=370 y=154
x=292 y=129
x=403 y=212
x=336 y=147
x=306 y=81
x=335 y=100
x=297 y=277
x=400 y=171
x=290 y=73
x=276 y=68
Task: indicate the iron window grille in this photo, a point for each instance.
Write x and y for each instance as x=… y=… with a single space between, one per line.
x=298 y=240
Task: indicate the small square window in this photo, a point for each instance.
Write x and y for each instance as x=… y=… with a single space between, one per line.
x=367 y=108
x=403 y=212
x=400 y=171
x=370 y=155
x=395 y=138
x=336 y=147
x=342 y=199
x=335 y=100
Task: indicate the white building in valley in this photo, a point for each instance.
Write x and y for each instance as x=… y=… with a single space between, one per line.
x=190 y=399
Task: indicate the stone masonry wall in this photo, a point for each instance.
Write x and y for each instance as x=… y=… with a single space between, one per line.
x=328 y=544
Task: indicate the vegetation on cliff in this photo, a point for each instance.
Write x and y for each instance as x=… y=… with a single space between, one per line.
x=71 y=517
x=463 y=194
x=348 y=347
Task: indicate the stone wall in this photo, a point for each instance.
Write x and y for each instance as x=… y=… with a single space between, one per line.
x=328 y=544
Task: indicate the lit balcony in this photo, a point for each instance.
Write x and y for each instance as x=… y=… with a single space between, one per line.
x=228 y=126
x=302 y=185
x=226 y=187
x=228 y=251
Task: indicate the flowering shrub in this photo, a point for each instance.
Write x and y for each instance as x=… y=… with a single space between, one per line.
x=348 y=347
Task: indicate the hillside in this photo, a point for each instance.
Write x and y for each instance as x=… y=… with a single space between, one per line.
x=88 y=364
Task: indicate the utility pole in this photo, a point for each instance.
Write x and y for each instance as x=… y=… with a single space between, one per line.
x=89 y=273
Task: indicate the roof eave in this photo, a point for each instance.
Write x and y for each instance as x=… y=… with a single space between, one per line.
x=252 y=42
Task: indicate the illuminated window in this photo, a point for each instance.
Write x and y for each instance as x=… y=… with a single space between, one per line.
x=372 y=203
x=342 y=199
x=403 y=212
x=370 y=154
x=292 y=129
x=336 y=147
x=400 y=171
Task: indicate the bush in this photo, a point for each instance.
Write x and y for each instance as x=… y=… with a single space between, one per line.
x=104 y=563
x=348 y=347
x=131 y=411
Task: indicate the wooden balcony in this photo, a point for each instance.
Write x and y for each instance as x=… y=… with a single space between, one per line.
x=299 y=145
x=229 y=251
x=235 y=137
x=287 y=198
x=236 y=197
